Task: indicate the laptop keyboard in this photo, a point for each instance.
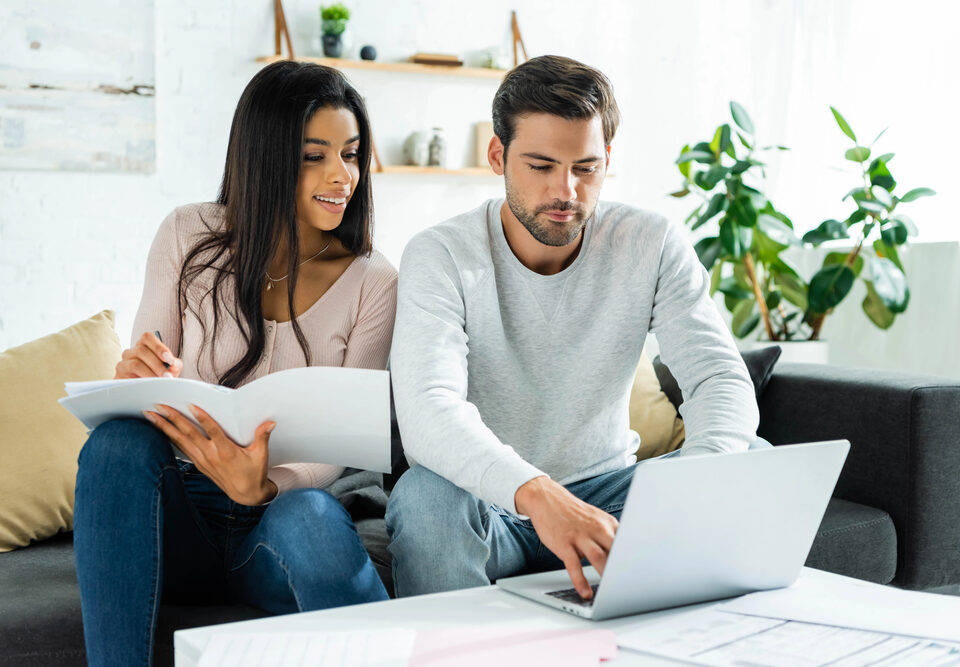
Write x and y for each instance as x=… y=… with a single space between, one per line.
x=571 y=595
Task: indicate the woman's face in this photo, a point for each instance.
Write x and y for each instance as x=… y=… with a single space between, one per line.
x=330 y=168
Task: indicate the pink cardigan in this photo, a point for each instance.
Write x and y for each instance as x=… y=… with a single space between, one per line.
x=350 y=325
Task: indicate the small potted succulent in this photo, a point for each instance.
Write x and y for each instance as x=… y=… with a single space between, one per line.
x=333 y=21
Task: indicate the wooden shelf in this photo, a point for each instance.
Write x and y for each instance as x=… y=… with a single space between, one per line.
x=410 y=169
x=343 y=63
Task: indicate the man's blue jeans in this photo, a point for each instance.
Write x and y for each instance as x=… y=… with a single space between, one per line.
x=443 y=538
x=149 y=527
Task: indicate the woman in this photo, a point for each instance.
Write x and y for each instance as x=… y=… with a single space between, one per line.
x=278 y=273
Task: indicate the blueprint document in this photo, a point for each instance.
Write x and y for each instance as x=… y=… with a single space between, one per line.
x=713 y=637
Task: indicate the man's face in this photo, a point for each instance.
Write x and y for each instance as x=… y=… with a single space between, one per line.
x=553 y=173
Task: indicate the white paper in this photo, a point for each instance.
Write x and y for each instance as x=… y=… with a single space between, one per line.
x=853 y=604
x=324 y=414
x=719 y=638
x=374 y=648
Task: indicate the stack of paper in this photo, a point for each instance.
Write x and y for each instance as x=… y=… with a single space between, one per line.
x=512 y=647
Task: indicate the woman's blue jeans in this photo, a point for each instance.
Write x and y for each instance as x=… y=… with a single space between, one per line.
x=149 y=527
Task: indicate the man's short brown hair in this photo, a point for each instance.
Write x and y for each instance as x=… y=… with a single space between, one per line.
x=558 y=86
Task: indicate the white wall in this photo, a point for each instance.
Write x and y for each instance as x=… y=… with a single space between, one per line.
x=72 y=244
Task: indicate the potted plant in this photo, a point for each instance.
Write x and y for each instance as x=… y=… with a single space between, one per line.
x=333 y=21
x=743 y=258
x=876 y=263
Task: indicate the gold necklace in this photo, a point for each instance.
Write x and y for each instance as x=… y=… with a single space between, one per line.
x=277 y=280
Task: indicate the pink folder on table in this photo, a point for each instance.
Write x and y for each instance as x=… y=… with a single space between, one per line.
x=512 y=647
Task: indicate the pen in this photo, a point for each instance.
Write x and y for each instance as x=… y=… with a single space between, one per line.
x=157 y=334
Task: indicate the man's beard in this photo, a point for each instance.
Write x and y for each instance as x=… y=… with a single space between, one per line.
x=549 y=233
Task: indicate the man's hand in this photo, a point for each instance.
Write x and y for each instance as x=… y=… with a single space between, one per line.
x=569 y=527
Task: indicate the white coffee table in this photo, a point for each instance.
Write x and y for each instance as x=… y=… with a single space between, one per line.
x=486 y=605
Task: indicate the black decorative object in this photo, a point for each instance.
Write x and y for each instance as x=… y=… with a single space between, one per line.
x=368 y=52
x=332 y=46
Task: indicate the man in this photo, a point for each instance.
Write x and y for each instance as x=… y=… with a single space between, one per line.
x=519 y=328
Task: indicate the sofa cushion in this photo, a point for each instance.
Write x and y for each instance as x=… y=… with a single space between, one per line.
x=39 y=440
x=759 y=364
x=652 y=415
x=856 y=541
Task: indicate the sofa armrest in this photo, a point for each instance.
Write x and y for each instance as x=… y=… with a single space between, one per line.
x=904 y=433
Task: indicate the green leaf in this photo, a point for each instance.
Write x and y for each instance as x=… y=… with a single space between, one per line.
x=857 y=216
x=748 y=326
x=844 y=125
x=773 y=298
x=880 y=175
x=793 y=288
x=741 y=117
x=742 y=211
x=693 y=215
x=828 y=230
x=858 y=154
x=894 y=233
x=741 y=314
x=721 y=139
x=886 y=157
x=708 y=180
x=680 y=193
x=735 y=239
x=730 y=287
x=885 y=251
x=890 y=284
x=840 y=258
x=740 y=167
x=717 y=204
x=907 y=222
x=858 y=194
x=872 y=205
x=916 y=193
x=767 y=249
x=740 y=275
x=708 y=250
x=829 y=286
x=715 y=276
x=875 y=309
x=879 y=135
x=746 y=144
x=685 y=166
x=776 y=230
x=881 y=196
x=705 y=157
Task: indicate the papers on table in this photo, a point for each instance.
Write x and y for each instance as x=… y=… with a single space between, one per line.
x=719 y=638
x=376 y=648
x=323 y=414
x=512 y=647
x=855 y=604
x=452 y=647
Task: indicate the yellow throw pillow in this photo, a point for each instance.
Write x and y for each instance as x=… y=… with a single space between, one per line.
x=39 y=440
x=652 y=415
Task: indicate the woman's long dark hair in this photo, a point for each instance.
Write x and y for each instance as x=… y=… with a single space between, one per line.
x=258 y=194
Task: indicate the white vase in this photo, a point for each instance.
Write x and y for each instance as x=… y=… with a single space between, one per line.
x=794 y=352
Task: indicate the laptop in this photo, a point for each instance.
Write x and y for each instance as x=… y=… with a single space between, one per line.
x=702 y=528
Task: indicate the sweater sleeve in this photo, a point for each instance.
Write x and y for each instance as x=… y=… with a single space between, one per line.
x=159 y=307
x=441 y=429
x=719 y=408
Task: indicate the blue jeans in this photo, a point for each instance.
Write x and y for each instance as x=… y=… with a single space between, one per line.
x=149 y=527
x=443 y=538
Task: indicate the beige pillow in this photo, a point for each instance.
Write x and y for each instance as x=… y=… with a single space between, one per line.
x=39 y=440
x=652 y=415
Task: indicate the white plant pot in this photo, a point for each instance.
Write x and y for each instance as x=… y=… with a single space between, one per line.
x=794 y=352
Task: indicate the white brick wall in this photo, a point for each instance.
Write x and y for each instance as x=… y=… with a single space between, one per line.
x=72 y=244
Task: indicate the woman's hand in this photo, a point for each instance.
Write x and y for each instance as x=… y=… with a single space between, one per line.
x=240 y=472
x=147 y=359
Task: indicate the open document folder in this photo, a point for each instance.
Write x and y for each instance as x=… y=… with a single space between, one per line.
x=323 y=414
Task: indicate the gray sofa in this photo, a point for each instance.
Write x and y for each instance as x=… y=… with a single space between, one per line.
x=895 y=516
